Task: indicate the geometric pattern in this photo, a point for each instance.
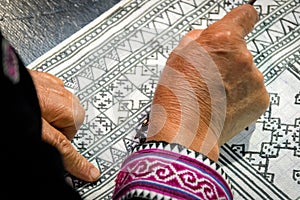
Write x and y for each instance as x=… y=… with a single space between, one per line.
x=113 y=66
x=165 y=169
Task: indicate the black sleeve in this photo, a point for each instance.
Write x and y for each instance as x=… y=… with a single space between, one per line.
x=31 y=169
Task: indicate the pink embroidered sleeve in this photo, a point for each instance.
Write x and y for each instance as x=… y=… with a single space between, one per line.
x=158 y=170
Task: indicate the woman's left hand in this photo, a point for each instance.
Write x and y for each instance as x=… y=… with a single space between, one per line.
x=62 y=116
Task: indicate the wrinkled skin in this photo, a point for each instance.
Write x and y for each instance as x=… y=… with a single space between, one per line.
x=245 y=96
x=183 y=102
x=62 y=116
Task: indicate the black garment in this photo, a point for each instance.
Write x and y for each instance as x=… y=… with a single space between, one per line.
x=31 y=168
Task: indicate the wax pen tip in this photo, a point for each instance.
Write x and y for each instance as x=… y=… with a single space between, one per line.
x=251 y=2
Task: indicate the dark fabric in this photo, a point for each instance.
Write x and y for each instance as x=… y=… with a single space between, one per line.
x=36 y=26
x=31 y=169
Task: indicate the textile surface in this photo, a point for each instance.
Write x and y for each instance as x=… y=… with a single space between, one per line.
x=159 y=170
x=113 y=66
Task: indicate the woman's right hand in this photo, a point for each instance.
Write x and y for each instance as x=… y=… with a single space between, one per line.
x=210 y=89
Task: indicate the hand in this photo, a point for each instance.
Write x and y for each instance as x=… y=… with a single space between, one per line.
x=62 y=116
x=210 y=89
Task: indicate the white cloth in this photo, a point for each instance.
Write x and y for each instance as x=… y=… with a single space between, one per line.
x=113 y=65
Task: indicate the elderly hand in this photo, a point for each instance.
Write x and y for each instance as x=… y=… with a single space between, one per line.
x=210 y=89
x=62 y=116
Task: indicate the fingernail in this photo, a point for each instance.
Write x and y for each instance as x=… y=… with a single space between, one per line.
x=94 y=173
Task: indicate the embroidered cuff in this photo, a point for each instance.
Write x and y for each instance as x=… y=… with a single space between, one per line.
x=159 y=170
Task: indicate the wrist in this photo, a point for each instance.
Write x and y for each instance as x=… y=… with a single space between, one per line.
x=166 y=125
x=213 y=152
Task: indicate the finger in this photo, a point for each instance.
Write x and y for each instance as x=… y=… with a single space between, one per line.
x=74 y=162
x=194 y=34
x=60 y=107
x=66 y=117
x=188 y=37
x=47 y=77
x=241 y=20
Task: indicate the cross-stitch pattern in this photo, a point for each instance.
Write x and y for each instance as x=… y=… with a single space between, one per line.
x=113 y=66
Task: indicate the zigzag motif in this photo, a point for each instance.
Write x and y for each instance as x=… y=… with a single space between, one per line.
x=158 y=30
x=282 y=65
x=273 y=27
x=138 y=52
x=85 y=40
x=275 y=49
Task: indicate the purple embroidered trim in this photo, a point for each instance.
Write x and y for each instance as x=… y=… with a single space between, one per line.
x=154 y=172
x=10 y=62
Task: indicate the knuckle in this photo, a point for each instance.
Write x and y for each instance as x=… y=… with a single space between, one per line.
x=245 y=59
x=261 y=90
x=248 y=58
x=64 y=145
x=223 y=35
x=260 y=77
x=79 y=111
x=54 y=78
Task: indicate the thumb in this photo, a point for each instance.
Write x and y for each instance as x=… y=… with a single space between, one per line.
x=240 y=20
x=73 y=161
